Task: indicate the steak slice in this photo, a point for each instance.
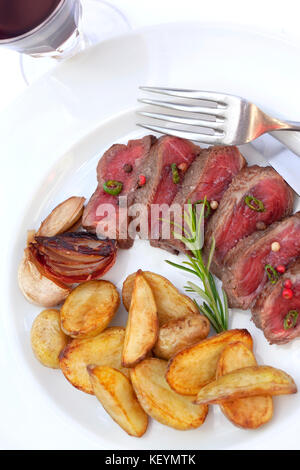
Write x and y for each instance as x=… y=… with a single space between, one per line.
x=209 y=175
x=271 y=309
x=160 y=187
x=120 y=163
x=234 y=220
x=244 y=274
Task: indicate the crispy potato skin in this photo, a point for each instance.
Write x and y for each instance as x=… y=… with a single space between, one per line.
x=62 y=218
x=160 y=401
x=103 y=350
x=195 y=366
x=38 y=289
x=115 y=392
x=142 y=325
x=47 y=339
x=247 y=382
x=247 y=413
x=179 y=334
x=171 y=304
x=89 y=309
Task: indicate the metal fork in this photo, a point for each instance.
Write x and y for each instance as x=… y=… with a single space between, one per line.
x=227 y=119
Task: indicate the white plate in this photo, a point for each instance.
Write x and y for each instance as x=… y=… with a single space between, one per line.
x=96 y=92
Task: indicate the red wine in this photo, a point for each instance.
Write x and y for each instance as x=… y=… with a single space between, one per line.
x=20 y=16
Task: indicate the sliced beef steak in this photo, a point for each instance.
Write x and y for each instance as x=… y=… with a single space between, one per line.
x=163 y=181
x=245 y=274
x=234 y=219
x=120 y=163
x=209 y=175
x=279 y=318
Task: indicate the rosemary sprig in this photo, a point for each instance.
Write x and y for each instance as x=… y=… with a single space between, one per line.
x=213 y=307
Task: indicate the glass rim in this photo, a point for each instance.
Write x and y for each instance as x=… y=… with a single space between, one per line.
x=37 y=28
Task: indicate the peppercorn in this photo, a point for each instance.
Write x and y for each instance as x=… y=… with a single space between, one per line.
x=127 y=168
x=280 y=269
x=287 y=283
x=214 y=205
x=182 y=167
x=142 y=180
x=275 y=246
x=287 y=294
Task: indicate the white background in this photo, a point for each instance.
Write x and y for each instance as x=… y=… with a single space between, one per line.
x=270 y=15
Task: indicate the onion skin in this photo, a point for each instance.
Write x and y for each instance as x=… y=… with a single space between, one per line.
x=73 y=257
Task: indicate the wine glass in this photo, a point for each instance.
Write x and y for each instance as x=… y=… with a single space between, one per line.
x=45 y=32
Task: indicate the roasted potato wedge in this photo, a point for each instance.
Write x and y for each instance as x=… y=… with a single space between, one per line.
x=247 y=382
x=160 y=401
x=142 y=324
x=179 y=334
x=235 y=356
x=115 y=392
x=103 y=350
x=247 y=413
x=171 y=304
x=38 y=289
x=63 y=217
x=47 y=339
x=195 y=366
x=89 y=308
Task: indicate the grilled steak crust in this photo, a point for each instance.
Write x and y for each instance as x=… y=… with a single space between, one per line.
x=244 y=274
x=209 y=175
x=120 y=163
x=271 y=309
x=234 y=220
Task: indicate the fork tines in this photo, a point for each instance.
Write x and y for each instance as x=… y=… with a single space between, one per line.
x=211 y=111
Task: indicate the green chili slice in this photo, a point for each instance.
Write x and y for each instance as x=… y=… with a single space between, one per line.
x=207 y=208
x=254 y=204
x=113 y=187
x=290 y=320
x=272 y=273
x=175 y=173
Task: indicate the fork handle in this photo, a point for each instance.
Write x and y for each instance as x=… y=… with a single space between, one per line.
x=287 y=132
x=292 y=126
x=279 y=125
x=290 y=139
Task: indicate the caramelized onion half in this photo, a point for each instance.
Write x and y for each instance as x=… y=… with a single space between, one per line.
x=73 y=257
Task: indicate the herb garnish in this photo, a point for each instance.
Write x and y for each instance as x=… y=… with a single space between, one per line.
x=290 y=320
x=271 y=273
x=175 y=174
x=207 y=208
x=113 y=187
x=254 y=204
x=213 y=307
